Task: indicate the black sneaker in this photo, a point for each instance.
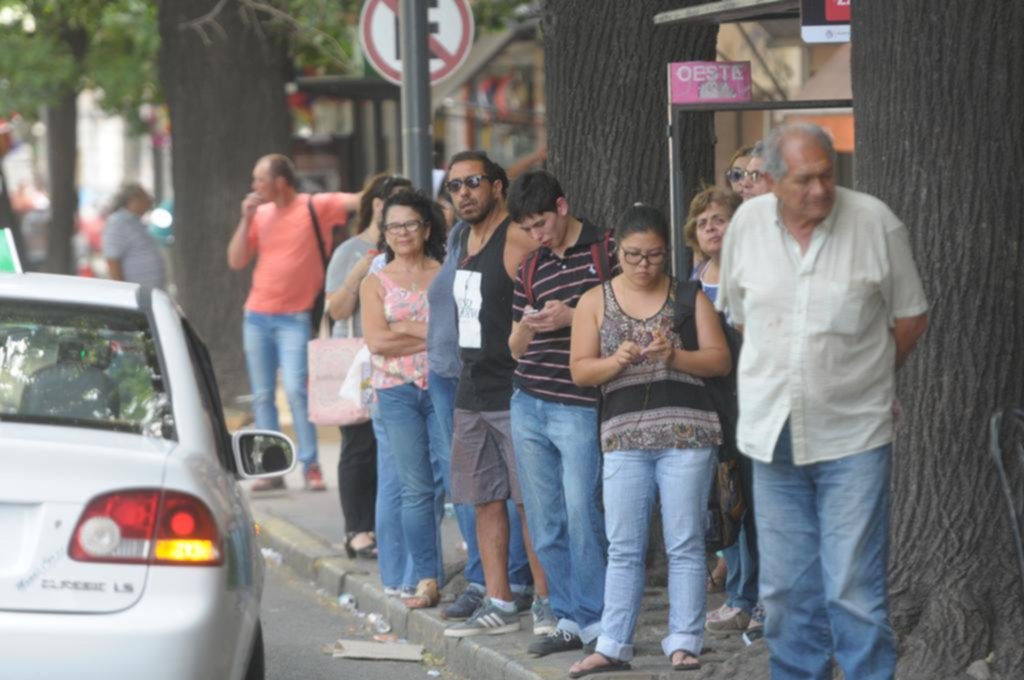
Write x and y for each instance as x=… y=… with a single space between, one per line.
x=554 y=642
x=465 y=605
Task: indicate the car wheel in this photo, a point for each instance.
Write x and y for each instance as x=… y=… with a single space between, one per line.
x=255 y=670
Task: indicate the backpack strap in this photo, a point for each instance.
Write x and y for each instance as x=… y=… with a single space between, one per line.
x=529 y=274
x=599 y=254
x=684 y=311
x=316 y=232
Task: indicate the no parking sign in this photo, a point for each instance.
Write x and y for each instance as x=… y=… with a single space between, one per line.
x=451 y=36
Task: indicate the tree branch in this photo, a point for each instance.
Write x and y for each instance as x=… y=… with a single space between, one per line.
x=207 y=21
x=340 y=54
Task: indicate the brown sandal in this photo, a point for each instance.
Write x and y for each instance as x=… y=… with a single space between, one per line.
x=427 y=595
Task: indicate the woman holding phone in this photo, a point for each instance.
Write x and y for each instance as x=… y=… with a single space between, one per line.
x=658 y=430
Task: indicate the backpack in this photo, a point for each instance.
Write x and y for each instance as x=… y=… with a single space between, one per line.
x=598 y=253
x=726 y=504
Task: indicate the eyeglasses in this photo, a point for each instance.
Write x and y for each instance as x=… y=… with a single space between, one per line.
x=736 y=175
x=473 y=182
x=635 y=257
x=395 y=227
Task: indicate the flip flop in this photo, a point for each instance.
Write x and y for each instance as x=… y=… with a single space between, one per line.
x=612 y=666
x=686 y=666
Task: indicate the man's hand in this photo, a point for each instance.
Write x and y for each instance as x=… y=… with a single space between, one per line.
x=249 y=205
x=554 y=315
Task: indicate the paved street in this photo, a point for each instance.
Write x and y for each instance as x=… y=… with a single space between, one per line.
x=298 y=622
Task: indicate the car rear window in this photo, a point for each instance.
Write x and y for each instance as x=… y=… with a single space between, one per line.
x=81 y=366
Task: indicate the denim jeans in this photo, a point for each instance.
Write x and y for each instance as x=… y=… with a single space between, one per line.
x=273 y=341
x=682 y=478
x=559 y=460
x=823 y=533
x=414 y=440
x=442 y=395
x=393 y=559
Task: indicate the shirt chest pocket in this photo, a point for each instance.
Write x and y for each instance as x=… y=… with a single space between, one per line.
x=842 y=308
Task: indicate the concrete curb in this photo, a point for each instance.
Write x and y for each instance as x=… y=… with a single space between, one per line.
x=320 y=562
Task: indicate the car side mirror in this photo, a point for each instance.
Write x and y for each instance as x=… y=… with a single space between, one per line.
x=262 y=453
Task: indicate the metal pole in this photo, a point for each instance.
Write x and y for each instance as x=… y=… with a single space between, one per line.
x=413 y=30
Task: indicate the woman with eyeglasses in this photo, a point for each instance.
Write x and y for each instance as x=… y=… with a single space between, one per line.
x=737 y=164
x=710 y=213
x=395 y=313
x=349 y=264
x=659 y=430
x=755 y=180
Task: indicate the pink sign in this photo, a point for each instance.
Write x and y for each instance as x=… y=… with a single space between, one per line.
x=709 y=82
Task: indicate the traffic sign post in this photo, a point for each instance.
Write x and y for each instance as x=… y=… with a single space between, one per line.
x=449 y=32
x=415 y=95
x=416 y=43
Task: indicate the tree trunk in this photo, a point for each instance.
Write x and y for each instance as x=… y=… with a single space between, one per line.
x=604 y=67
x=939 y=96
x=227 y=106
x=61 y=161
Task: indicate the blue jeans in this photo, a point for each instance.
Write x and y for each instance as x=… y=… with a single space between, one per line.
x=823 y=533
x=558 y=456
x=393 y=559
x=273 y=341
x=414 y=441
x=442 y=395
x=682 y=477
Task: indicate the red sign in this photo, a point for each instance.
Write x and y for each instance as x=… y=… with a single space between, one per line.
x=825 y=20
x=837 y=10
x=451 y=37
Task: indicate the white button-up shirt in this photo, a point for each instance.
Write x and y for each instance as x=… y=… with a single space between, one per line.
x=818 y=347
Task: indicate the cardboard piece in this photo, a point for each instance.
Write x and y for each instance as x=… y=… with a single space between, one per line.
x=359 y=649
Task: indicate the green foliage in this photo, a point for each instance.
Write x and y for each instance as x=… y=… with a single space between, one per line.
x=118 y=41
x=50 y=46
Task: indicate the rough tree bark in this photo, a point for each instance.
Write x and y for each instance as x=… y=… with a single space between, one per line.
x=604 y=69
x=939 y=97
x=225 y=84
x=62 y=163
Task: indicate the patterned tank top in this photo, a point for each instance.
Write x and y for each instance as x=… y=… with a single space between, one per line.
x=401 y=305
x=649 y=405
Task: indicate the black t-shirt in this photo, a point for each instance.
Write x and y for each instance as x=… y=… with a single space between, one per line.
x=483 y=300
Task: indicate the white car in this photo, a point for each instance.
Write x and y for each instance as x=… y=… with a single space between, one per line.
x=128 y=546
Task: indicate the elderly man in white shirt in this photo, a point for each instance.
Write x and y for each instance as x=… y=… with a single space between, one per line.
x=823 y=284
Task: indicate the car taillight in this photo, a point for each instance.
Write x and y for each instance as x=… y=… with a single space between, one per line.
x=146 y=525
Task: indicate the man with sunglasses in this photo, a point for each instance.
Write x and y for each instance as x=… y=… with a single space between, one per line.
x=555 y=422
x=483 y=467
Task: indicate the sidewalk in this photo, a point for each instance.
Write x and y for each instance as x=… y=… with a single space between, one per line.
x=307 y=529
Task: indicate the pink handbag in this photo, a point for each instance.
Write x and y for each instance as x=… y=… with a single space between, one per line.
x=330 y=361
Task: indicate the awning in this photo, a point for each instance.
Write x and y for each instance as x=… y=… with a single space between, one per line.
x=728 y=11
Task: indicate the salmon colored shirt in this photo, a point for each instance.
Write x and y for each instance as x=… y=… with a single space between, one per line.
x=289 y=270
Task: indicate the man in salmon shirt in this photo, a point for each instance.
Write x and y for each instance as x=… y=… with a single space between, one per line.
x=277 y=228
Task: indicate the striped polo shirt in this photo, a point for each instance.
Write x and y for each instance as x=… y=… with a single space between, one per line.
x=543 y=370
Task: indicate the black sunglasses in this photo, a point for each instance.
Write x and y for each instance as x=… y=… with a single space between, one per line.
x=473 y=182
